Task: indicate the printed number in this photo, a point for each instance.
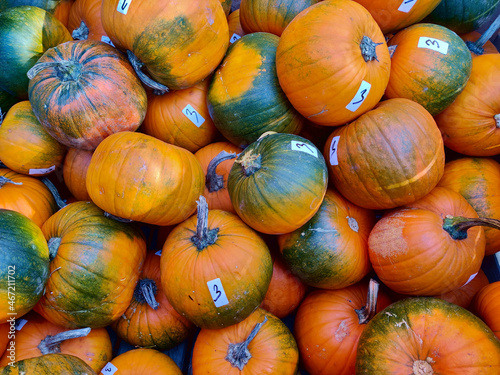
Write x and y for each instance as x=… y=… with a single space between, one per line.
x=362 y=94
x=406 y=5
x=109 y=369
x=123 y=6
x=304 y=147
x=333 y=151
x=193 y=116
x=234 y=38
x=359 y=98
x=432 y=43
x=217 y=292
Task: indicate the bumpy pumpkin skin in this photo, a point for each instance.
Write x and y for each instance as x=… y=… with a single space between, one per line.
x=427 y=336
x=429 y=65
x=486 y=304
x=88 y=12
x=25 y=254
x=26 y=32
x=91 y=284
x=194 y=37
x=144 y=361
x=115 y=98
x=64 y=364
x=321 y=66
x=245 y=98
x=396 y=150
x=278 y=183
x=471 y=124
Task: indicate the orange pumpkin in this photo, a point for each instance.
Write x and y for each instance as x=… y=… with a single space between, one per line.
x=76 y=164
x=235 y=29
x=464 y=295
x=142 y=362
x=472 y=40
x=84 y=21
x=486 y=305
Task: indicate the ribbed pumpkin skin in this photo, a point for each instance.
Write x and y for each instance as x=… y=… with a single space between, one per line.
x=161 y=183
x=63 y=364
x=330 y=251
x=462 y=16
x=193 y=34
x=394 y=15
x=245 y=98
x=76 y=164
x=486 y=304
x=287 y=188
x=239 y=258
x=464 y=295
x=273 y=349
x=424 y=75
x=88 y=12
x=26 y=32
x=477 y=180
x=25 y=146
x=114 y=97
x=144 y=361
x=95 y=269
x=181 y=117
x=271 y=16
x=413 y=254
x=27 y=195
x=25 y=254
x=395 y=149
x=141 y=325
x=470 y=125
x=320 y=65
x=438 y=335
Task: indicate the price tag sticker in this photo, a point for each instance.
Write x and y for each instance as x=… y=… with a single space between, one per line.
x=158 y=253
x=333 y=150
x=192 y=115
x=123 y=6
x=304 y=147
x=109 y=369
x=406 y=5
x=360 y=96
x=20 y=324
x=433 y=44
x=234 y=38
x=217 y=292
x=470 y=279
x=41 y=170
x=106 y=40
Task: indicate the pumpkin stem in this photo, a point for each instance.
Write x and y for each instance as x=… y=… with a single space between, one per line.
x=423 y=367
x=368 y=49
x=250 y=162
x=52 y=344
x=5 y=180
x=477 y=46
x=117 y=218
x=66 y=70
x=53 y=190
x=158 y=88
x=457 y=226
x=203 y=237
x=145 y=292
x=53 y=243
x=238 y=354
x=369 y=310
x=214 y=181
x=82 y=33
x=497 y=119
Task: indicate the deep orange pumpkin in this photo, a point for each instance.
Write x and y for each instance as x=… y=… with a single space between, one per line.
x=464 y=295
x=76 y=164
x=486 y=305
x=142 y=362
x=84 y=21
x=235 y=29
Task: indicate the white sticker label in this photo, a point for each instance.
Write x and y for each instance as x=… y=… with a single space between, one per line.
x=234 y=38
x=406 y=5
x=360 y=96
x=106 y=40
x=304 y=147
x=217 y=292
x=109 y=369
x=194 y=116
x=434 y=44
x=123 y=6
x=470 y=279
x=333 y=150
x=42 y=170
x=158 y=253
x=20 y=324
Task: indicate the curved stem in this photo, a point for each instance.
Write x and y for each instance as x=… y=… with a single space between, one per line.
x=53 y=244
x=52 y=344
x=5 y=180
x=82 y=33
x=145 y=292
x=457 y=226
x=238 y=354
x=214 y=181
x=53 y=190
x=137 y=65
x=203 y=237
x=370 y=309
x=117 y=218
x=66 y=70
x=477 y=46
x=368 y=49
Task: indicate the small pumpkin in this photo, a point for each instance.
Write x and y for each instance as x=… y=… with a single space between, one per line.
x=84 y=21
x=76 y=164
x=235 y=29
x=142 y=361
x=63 y=364
x=486 y=304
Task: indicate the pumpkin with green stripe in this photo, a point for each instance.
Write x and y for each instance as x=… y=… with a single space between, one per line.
x=84 y=91
x=426 y=335
x=58 y=8
x=25 y=264
x=26 y=32
x=49 y=364
x=95 y=264
x=330 y=251
x=245 y=98
x=278 y=183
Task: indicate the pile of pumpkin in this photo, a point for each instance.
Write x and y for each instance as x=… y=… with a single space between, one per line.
x=220 y=171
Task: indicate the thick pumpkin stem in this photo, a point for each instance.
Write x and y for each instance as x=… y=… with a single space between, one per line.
x=55 y=193
x=117 y=218
x=203 y=237
x=214 y=181
x=145 y=292
x=66 y=70
x=158 y=88
x=368 y=49
x=238 y=354
x=82 y=33
x=477 y=46
x=457 y=226
x=53 y=243
x=367 y=312
x=5 y=180
x=250 y=163
x=52 y=344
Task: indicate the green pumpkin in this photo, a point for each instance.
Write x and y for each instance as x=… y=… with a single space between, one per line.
x=53 y=364
x=245 y=98
x=24 y=256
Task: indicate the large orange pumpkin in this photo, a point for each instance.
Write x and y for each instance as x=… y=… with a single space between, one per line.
x=486 y=305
